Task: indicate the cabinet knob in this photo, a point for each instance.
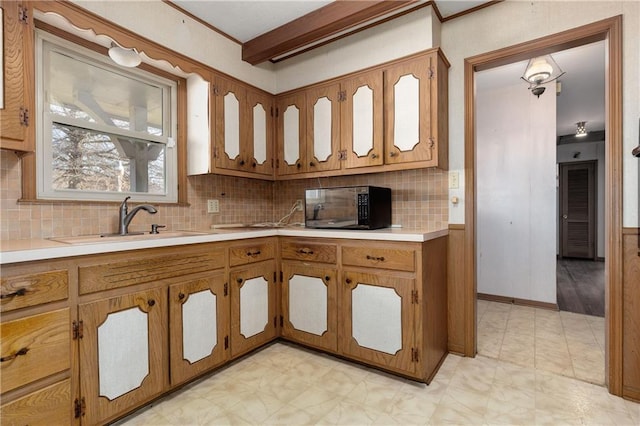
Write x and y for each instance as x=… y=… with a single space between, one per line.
x=374 y=155
x=253 y=253
x=298 y=165
x=15 y=355
x=311 y=164
x=151 y=302
x=239 y=280
x=348 y=281
x=181 y=296
x=18 y=292
x=242 y=162
x=392 y=154
x=377 y=259
x=254 y=164
x=305 y=251
x=327 y=278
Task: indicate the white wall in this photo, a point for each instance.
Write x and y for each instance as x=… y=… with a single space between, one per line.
x=511 y=22
x=416 y=31
x=588 y=151
x=516 y=201
x=171 y=28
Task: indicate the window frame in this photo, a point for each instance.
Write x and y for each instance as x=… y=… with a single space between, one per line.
x=45 y=120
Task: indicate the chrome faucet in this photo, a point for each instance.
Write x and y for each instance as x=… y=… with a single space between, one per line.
x=125 y=216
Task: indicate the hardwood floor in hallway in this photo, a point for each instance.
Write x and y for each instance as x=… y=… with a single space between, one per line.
x=580 y=286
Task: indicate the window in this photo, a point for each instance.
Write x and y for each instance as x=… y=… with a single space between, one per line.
x=105 y=131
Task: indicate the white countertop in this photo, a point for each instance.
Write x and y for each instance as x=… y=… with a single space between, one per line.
x=14 y=251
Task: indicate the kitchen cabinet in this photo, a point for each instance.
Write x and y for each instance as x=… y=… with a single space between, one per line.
x=123 y=355
x=198 y=326
x=35 y=344
x=323 y=128
x=253 y=306
x=291 y=114
x=362 y=120
x=243 y=128
x=309 y=292
x=415 y=100
x=16 y=115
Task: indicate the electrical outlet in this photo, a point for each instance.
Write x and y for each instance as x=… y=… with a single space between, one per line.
x=213 y=206
x=454 y=180
x=299 y=205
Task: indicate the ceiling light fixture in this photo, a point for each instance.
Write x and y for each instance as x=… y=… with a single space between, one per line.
x=581 y=129
x=541 y=70
x=125 y=57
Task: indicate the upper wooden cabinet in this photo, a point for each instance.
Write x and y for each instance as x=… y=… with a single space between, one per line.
x=391 y=117
x=16 y=113
x=415 y=103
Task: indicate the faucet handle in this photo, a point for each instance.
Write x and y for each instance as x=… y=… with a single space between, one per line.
x=154 y=228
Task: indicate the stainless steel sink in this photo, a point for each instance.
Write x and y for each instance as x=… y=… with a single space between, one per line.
x=114 y=238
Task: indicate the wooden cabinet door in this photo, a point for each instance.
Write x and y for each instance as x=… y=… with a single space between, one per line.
x=407 y=99
x=377 y=320
x=323 y=128
x=260 y=132
x=253 y=306
x=123 y=356
x=230 y=125
x=16 y=106
x=198 y=325
x=309 y=304
x=291 y=134
x=362 y=120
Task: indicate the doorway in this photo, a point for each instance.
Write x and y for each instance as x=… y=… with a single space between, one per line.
x=610 y=31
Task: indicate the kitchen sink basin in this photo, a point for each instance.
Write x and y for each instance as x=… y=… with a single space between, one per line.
x=114 y=238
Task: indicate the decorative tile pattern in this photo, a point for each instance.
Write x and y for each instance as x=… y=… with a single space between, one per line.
x=477 y=390
x=419 y=201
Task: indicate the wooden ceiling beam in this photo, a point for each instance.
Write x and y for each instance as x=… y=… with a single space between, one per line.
x=317 y=25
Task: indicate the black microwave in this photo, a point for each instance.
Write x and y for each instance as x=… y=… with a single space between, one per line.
x=350 y=207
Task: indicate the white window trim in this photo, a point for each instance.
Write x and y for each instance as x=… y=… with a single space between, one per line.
x=44 y=122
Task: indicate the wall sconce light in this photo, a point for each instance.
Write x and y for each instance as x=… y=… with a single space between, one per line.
x=539 y=71
x=581 y=129
x=125 y=57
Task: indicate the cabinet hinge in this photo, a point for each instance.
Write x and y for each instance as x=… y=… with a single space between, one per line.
x=281 y=321
x=432 y=143
x=275 y=321
x=79 y=407
x=431 y=73
x=342 y=96
x=342 y=155
x=24 y=116
x=226 y=289
x=277 y=163
x=275 y=277
x=272 y=111
x=414 y=296
x=78 y=330
x=277 y=112
x=226 y=342
x=281 y=277
x=215 y=152
x=414 y=355
x=23 y=15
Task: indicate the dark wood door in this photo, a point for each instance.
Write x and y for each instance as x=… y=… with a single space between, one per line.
x=578 y=209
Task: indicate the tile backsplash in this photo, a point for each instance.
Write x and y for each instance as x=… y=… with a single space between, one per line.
x=419 y=201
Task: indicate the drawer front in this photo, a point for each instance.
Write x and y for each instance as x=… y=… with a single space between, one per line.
x=34 y=347
x=33 y=289
x=117 y=274
x=311 y=252
x=250 y=253
x=47 y=406
x=386 y=258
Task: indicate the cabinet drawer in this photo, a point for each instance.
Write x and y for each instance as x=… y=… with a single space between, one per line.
x=386 y=258
x=250 y=253
x=33 y=289
x=34 y=347
x=47 y=406
x=311 y=252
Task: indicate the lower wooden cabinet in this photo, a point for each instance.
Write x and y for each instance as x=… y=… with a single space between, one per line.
x=309 y=300
x=377 y=320
x=198 y=326
x=253 y=306
x=122 y=353
x=44 y=407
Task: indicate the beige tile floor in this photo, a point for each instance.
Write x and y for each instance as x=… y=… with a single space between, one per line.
x=558 y=342
x=286 y=385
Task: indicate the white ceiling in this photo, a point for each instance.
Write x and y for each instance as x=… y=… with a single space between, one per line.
x=583 y=85
x=245 y=20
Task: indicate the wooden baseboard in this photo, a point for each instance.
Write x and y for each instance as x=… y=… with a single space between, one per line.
x=516 y=301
